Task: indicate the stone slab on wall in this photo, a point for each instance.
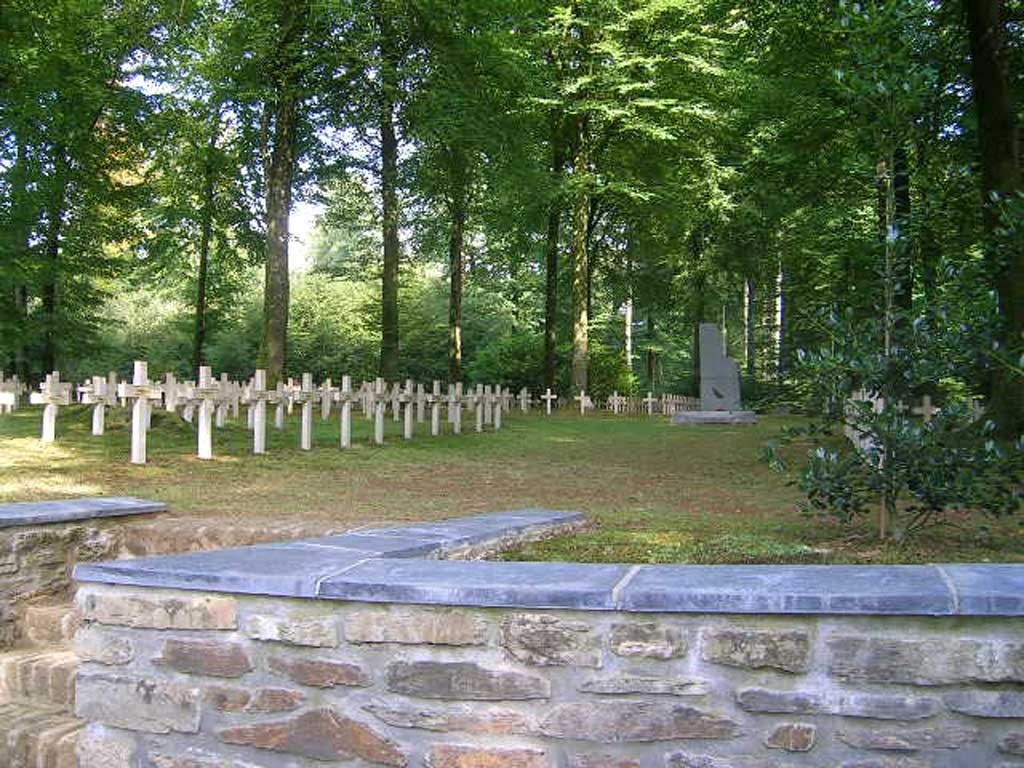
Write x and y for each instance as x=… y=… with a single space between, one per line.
x=192 y=679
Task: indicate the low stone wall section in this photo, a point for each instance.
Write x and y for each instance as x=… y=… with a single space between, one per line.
x=40 y=543
x=204 y=680
x=357 y=650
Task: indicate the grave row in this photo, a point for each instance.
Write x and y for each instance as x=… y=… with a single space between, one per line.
x=926 y=410
x=208 y=403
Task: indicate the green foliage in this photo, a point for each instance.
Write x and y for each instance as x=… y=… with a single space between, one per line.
x=875 y=454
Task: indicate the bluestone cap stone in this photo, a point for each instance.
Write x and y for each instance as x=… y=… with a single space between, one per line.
x=70 y=510
x=478 y=583
x=387 y=565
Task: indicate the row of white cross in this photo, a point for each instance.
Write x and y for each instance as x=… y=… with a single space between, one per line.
x=926 y=410
x=208 y=402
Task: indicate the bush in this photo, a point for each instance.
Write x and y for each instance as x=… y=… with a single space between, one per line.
x=877 y=454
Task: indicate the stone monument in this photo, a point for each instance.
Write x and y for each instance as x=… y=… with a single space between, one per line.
x=719 y=385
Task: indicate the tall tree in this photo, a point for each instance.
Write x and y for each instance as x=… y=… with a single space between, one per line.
x=1001 y=188
x=282 y=118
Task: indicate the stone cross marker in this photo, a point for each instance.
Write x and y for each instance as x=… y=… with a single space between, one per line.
x=407 y=398
x=649 y=401
x=719 y=374
x=207 y=393
x=258 y=397
x=524 y=400
x=477 y=399
x=346 y=398
x=455 y=406
x=548 y=397
x=926 y=410
x=170 y=393
x=223 y=399
x=616 y=402
x=495 y=396
x=52 y=394
x=327 y=393
x=421 y=403
x=281 y=401
x=582 y=398
x=96 y=394
x=378 y=412
x=488 y=405
x=308 y=396
x=434 y=399
x=141 y=391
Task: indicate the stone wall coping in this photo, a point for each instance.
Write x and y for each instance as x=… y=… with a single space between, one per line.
x=71 y=510
x=391 y=565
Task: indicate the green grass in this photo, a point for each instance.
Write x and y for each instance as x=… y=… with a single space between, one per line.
x=655 y=493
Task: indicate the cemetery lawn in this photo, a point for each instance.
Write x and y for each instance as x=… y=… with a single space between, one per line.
x=655 y=493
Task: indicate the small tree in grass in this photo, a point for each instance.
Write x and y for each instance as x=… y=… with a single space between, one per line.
x=877 y=454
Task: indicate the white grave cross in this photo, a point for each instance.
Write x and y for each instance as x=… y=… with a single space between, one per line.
x=141 y=391
x=52 y=394
x=308 y=396
x=548 y=397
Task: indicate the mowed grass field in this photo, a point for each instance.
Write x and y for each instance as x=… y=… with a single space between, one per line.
x=654 y=492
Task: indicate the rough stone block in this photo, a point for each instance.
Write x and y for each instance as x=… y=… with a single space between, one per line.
x=627 y=721
x=602 y=761
x=322 y=734
x=99 y=747
x=137 y=704
x=646 y=639
x=475 y=719
x=935 y=661
x=546 y=640
x=994 y=704
x=96 y=644
x=260 y=701
x=788 y=651
x=946 y=736
x=792 y=737
x=853 y=704
x=311 y=632
x=205 y=657
x=465 y=681
x=626 y=684
x=147 y=609
x=692 y=760
x=427 y=627
x=320 y=673
x=1012 y=743
x=887 y=762
x=458 y=756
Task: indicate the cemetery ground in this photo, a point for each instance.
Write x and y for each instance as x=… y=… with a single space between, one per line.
x=655 y=493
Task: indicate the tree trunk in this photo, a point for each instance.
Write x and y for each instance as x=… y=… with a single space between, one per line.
x=551 y=258
x=389 y=200
x=50 y=292
x=1000 y=180
x=698 y=306
x=749 y=328
x=652 y=355
x=580 y=265
x=781 y=327
x=904 y=265
x=294 y=17
x=627 y=332
x=459 y=179
x=20 y=254
x=205 y=239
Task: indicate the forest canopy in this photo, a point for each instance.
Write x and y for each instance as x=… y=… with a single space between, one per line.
x=536 y=192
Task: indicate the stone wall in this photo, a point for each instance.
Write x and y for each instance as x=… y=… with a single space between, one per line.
x=192 y=679
x=36 y=562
